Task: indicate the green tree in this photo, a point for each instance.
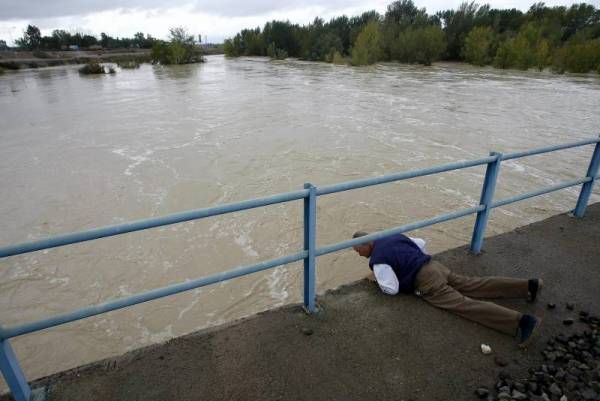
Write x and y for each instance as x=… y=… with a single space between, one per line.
x=32 y=38
x=181 y=49
x=367 y=49
x=419 y=45
x=478 y=45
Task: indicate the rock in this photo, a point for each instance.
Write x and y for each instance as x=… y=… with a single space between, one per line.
x=533 y=387
x=555 y=390
x=584 y=313
x=551 y=306
x=519 y=387
x=500 y=361
x=564 y=398
x=568 y=322
x=504 y=375
x=519 y=396
x=482 y=392
x=307 y=332
x=589 y=394
x=504 y=389
x=504 y=396
x=570 y=306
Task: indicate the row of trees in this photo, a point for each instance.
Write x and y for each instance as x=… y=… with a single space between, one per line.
x=60 y=39
x=564 y=38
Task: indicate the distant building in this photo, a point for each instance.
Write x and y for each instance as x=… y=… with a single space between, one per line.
x=73 y=47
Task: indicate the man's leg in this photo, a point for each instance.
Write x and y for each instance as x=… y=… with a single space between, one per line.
x=489 y=287
x=432 y=282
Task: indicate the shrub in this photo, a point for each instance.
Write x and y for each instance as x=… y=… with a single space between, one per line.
x=92 y=68
x=129 y=64
x=40 y=54
x=578 y=57
x=276 y=53
x=478 y=45
x=367 y=48
x=179 y=50
x=337 y=58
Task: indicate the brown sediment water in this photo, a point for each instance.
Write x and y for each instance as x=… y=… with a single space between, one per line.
x=83 y=152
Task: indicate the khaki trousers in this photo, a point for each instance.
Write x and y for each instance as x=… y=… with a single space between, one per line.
x=444 y=289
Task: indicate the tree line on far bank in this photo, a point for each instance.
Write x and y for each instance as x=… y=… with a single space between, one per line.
x=562 y=38
x=181 y=48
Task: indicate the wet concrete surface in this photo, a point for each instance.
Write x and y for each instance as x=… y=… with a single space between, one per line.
x=364 y=345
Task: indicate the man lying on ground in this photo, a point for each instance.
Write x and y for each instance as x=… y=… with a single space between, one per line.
x=399 y=264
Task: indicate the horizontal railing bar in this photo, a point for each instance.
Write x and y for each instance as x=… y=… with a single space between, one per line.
x=401 y=229
x=366 y=182
x=9 y=332
x=516 y=155
x=542 y=191
x=108 y=231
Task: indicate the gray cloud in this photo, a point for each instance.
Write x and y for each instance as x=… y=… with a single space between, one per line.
x=39 y=9
x=34 y=9
x=237 y=8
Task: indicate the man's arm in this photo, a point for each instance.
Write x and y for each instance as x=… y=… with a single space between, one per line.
x=371 y=277
x=386 y=279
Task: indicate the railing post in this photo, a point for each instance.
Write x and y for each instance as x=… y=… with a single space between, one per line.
x=310 y=226
x=487 y=195
x=586 y=189
x=12 y=372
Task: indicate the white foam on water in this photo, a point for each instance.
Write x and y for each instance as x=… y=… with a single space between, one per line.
x=244 y=241
x=187 y=308
x=136 y=159
x=277 y=283
x=518 y=167
x=60 y=280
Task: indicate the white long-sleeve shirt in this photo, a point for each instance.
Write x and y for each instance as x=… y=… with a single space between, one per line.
x=385 y=276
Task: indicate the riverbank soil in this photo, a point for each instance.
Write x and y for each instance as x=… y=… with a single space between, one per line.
x=364 y=345
x=17 y=59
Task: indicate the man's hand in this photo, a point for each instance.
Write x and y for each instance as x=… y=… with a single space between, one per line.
x=371 y=277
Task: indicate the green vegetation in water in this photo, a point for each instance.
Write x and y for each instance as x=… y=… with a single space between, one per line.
x=565 y=39
x=180 y=49
x=1 y=70
x=94 y=68
x=128 y=64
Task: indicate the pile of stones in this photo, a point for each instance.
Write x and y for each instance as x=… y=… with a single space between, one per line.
x=571 y=370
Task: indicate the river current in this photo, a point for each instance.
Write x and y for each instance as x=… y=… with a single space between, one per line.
x=81 y=152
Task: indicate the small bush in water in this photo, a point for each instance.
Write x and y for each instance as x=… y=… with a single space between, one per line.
x=92 y=68
x=129 y=64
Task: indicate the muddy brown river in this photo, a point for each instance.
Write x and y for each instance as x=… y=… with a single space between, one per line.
x=79 y=152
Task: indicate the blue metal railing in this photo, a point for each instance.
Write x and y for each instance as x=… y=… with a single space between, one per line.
x=9 y=364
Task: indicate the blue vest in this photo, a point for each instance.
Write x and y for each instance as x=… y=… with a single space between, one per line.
x=403 y=255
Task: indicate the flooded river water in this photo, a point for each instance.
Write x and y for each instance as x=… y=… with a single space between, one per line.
x=81 y=152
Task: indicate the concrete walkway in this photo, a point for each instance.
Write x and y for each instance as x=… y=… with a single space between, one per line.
x=364 y=345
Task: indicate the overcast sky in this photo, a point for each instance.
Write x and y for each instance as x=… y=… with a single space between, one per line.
x=214 y=19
